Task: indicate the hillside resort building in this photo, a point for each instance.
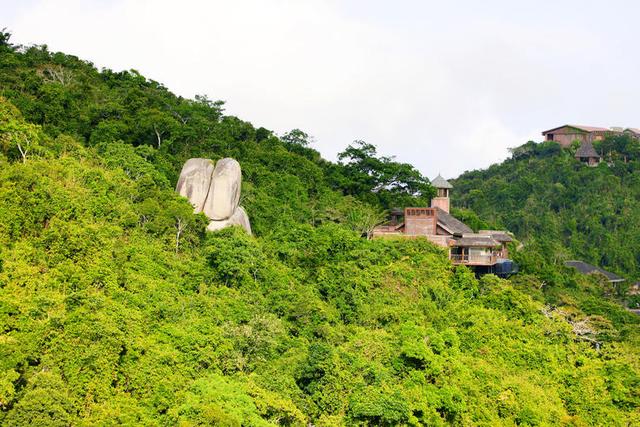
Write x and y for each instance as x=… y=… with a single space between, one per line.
x=485 y=251
x=565 y=135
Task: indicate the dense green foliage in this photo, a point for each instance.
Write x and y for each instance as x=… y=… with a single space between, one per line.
x=380 y=180
x=563 y=208
x=107 y=318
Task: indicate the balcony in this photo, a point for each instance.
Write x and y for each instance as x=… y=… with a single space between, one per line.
x=474 y=259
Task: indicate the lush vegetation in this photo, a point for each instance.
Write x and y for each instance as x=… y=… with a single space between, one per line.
x=562 y=208
x=108 y=318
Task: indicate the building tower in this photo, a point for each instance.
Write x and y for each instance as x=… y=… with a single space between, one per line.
x=442 y=196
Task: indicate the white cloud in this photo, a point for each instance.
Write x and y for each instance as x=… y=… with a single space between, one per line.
x=444 y=87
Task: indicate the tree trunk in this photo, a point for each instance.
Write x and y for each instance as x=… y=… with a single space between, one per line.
x=180 y=227
x=158 y=135
x=23 y=153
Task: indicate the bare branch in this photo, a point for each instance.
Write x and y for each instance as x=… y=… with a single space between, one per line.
x=181 y=226
x=158 y=134
x=23 y=152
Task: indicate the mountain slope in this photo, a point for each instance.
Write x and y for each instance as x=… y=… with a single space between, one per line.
x=108 y=318
x=566 y=209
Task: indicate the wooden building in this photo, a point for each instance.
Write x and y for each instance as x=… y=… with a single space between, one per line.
x=566 y=134
x=634 y=132
x=502 y=238
x=487 y=248
x=587 y=154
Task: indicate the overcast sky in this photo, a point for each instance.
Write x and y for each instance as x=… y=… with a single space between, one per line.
x=446 y=86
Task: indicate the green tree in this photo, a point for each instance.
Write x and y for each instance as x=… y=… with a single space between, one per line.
x=362 y=173
x=296 y=137
x=15 y=134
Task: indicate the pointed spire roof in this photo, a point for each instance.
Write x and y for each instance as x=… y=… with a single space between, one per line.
x=440 y=182
x=586 y=150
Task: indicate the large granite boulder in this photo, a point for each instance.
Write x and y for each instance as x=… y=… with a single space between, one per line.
x=195 y=181
x=239 y=217
x=214 y=191
x=224 y=193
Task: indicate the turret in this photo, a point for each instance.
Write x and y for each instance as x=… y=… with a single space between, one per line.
x=442 y=193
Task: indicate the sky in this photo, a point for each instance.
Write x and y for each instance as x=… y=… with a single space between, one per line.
x=445 y=86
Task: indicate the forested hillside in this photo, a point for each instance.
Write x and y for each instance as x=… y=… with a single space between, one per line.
x=110 y=317
x=562 y=208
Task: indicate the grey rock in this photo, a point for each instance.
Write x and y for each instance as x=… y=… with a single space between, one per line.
x=224 y=192
x=195 y=181
x=239 y=217
x=214 y=191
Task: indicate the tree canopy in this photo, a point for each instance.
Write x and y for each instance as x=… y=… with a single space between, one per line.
x=548 y=198
x=361 y=172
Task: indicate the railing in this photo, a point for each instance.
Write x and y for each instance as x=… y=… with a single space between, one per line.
x=489 y=259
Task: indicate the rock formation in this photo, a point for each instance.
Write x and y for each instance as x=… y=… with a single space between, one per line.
x=224 y=192
x=239 y=217
x=215 y=191
x=194 y=181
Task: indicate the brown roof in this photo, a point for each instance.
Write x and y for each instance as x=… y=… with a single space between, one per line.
x=475 y=240
x=440 y=182
x=633 y=130
x=579 y=127
x=585 y=268
x=498 y=236
x=586 y=150
x=452 y=224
